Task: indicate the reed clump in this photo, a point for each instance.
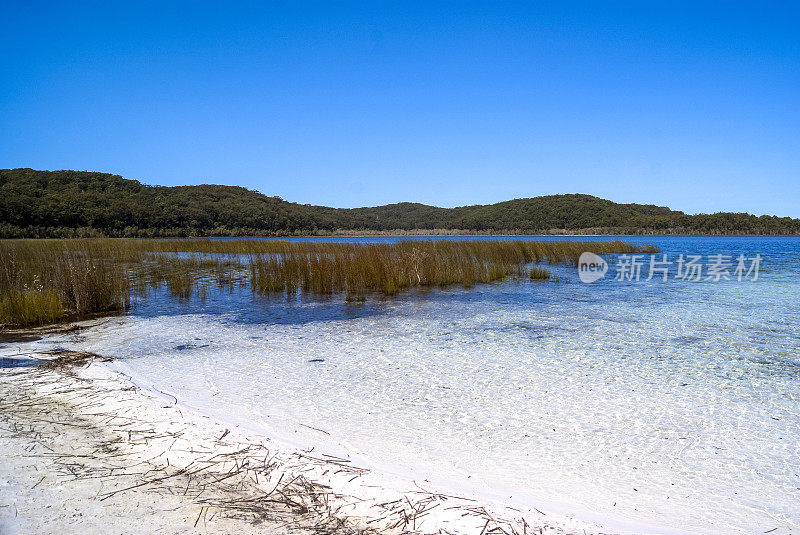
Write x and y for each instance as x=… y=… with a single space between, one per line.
x=42 y=281
x=388 y=269
x=539 y=274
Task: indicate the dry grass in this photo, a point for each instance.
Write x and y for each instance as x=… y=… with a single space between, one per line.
x=42 y=281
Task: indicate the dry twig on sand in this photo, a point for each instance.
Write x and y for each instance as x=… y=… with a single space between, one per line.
x=92 y=433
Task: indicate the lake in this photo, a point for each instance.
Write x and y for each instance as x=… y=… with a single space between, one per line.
x=647 y=404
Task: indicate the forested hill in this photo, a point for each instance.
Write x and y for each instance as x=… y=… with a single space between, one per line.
x=78 y=203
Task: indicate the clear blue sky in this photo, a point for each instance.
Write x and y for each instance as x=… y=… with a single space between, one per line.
x=693 y=105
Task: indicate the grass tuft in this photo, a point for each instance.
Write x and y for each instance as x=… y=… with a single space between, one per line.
x=29 y=308
x=539 y=274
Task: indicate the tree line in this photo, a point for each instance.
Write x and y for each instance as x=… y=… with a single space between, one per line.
x=84 y=204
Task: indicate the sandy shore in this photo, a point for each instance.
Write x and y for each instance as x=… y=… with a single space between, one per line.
x=86 y=451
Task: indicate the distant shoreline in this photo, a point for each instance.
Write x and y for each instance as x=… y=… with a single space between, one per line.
x=397 y=233
x=432 y=233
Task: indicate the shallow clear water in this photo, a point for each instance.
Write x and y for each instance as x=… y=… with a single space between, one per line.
x=672 y=405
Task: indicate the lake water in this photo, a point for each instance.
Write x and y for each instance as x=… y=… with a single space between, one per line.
x=650 y=405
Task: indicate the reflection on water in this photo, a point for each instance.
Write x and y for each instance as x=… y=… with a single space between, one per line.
x=671 y=404
x=9 y=362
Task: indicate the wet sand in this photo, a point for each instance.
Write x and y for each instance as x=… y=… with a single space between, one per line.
x=87 y=451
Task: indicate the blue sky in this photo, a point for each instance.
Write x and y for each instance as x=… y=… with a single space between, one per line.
x=693 y=105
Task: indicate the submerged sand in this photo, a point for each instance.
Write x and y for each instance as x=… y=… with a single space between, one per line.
x=87 y=451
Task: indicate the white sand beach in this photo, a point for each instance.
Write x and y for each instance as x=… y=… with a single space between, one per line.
x=86 y=451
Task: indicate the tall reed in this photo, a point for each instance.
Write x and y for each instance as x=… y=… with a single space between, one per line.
x=42 y=281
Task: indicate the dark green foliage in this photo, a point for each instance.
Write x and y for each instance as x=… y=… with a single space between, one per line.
x=72 y=204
